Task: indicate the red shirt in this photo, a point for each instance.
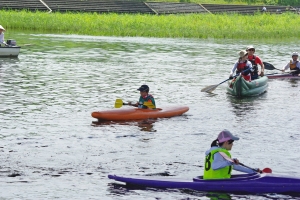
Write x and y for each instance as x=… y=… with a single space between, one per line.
x=257 y=59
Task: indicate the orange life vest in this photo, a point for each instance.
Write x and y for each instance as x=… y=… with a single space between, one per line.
x=293 y=66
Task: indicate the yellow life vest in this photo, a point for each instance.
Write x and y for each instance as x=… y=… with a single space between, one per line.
x=222 y=173
x=293 y=66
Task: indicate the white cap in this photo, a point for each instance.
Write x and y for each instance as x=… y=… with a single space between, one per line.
x=250 y=47
x=295 y=54
x=1 y=27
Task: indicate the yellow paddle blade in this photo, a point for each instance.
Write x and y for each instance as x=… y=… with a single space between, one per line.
x=118 y=103
x=149 y=104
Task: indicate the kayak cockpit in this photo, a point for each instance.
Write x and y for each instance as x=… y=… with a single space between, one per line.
x=238 y=177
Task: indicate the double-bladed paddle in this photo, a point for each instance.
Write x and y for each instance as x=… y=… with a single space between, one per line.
x=289 y=72
x=265 y=170
x=119 y=103
x=269 y=66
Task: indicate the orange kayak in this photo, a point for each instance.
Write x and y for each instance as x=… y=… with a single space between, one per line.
x=133 y=113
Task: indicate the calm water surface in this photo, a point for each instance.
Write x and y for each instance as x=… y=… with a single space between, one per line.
x=52 y=148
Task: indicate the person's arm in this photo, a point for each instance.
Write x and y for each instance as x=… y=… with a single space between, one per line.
x=262 y=66
x=233 y=69
x=298 y=65
x=220 y=162
x=243 y=169
x=135 y=104
x=2 y=39
x=249 y=64
x=285 y=67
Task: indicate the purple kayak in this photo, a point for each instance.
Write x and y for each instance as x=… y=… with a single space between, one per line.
x=282 y=76
x=248 y=183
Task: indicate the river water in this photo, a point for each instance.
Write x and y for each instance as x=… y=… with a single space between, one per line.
x=51 y=147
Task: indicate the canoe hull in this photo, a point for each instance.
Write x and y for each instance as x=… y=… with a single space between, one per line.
x=283 y=76
x=248 y=183
x=9 y=51
x=138 y=113
x=242 y=88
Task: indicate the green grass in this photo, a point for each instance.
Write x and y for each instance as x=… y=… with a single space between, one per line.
x=183 y=26
x=241 y=2
x=257 y=2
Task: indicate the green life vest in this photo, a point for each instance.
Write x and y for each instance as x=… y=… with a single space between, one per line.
x=222 y=173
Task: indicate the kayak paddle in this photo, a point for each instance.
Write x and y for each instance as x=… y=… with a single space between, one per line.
x=265 y=170
x=119 y=103
x=289 y=72
x=213 y=87
x=269 y=66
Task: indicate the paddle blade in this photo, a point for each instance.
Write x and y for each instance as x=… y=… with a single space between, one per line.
x=267 y=170
x=209 y=88
x=118 y=103
x=268 y=66
x=149 y=104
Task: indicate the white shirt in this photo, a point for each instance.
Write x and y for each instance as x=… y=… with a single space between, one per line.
x=2 y=38
x=248 y=64
x=288 y=65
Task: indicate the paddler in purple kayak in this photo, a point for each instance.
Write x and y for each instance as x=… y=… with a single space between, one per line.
x=145 y=97
x=218 y=161
x=293 y=65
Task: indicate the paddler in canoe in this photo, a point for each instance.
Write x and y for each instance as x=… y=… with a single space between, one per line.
x=145 y=97
x=255 y=61
x=242 y=66
x=294 y=64
x=218 y=161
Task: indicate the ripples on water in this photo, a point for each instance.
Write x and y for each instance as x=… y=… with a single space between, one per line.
x=52 y=148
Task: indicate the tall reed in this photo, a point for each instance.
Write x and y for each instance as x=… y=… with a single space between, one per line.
x=185 y=25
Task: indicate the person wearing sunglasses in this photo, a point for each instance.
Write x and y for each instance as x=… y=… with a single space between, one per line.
x=294 y=64
x=255 y=60
x=217 y=164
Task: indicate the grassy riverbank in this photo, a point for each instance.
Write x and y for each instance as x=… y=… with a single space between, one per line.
x=188 y=26
x=236 y=2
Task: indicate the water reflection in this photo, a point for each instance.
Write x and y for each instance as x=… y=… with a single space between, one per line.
x=244 y=106
x=146 y=125
x=294 y=82
x=9 y=60
x=218 y=196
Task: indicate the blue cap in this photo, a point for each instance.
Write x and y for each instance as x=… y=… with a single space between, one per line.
x=144 y=88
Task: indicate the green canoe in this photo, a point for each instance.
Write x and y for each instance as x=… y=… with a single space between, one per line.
x=242 y=88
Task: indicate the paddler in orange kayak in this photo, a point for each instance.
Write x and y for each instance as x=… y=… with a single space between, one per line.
x=145 y=97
